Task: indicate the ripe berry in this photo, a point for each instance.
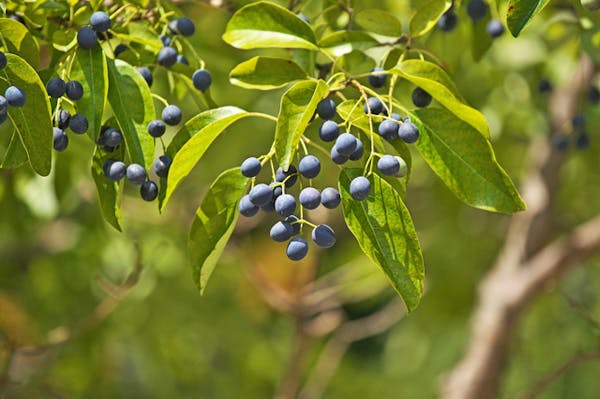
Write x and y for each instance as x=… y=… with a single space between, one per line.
x=310 y=198
x=119 y=49
x=62 y=119
x=261 y=194
x=111 y=137
x=167 y=56
x=330 y=198
x=297 y=248
x=74 y=90
x=388 y=165
x=136 y=173
x=294 y=221
x=250 y=167
x=171 y=114
x=149 y=191
x=115 y=170
x=56 y=87
x=281 y=231
x=360 y=188
x=582 y=141
x=420 y=98
x=285 y=205
x=578 y=121
x=388 y=129
x=309 y=166
x=560 y=142
x=182 y=60
x=146 y=74
x=593 y=95
x=345 y=144
x=358 y=152
x=495 y=28
x=161 y=165
x=338 y=158
x=373 y=105
x=3 y=60
x=100 y=21
x=323 y=236
x=377 y=80
x=546 y=87
x=166 y=40
x=477 y=10
x=87 y=38
x=61 y=141
x=447 y=21
x=326 y=108
x=15 y=96
x=3 y=105
x=408 y=132
x=201 y=79
x=184 y=26
x=246 y=207
x=290 y=176
x=329 y=131
x=156 y=128
x=78 y=124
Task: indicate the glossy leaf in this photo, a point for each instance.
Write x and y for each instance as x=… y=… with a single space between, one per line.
x=15 y=155
x=266 y=73
x=379 y=21
x=355 y=62
x=342 y=42
x=19 y=41
x=384 y=230
x=436 y=82
x=465 y=161
x=132 y=104
x=191 y=142
x=298 y=106
x=427 y=16
x=520 y=12
x=89 y=68
x=32 y=122
x=264 y=24
x=108 y=191
x=214 y=223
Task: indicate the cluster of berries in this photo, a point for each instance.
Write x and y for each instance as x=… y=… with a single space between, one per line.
x=78 y=123
x=13 y=95
x=477 y=10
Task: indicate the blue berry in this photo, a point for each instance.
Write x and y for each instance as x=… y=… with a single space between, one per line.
x=546 y=87
x=60 y=140
x=115 y=170
x=161 y=165
x=285 y=205
x=358 y=152
x=447 y=21
x=184 y=26
x=388 y=165
x=477 y=10
x=56 y=87
x=360 y=188
x=250 y=167
x=345 y=144
x=149 y=191
x=330 y=198
x=408 y=132
x=171 y=114
x=309 y=166
x=166 y=40
x=3 y=105
x=156 y=128
x=136 y=173
x=420 y=98
x=396 y=117
x=87 y=38
x=593 y=94
x=582 y=141
x=182 y=60
x=15 y=96
x=167 y=56
x=374 y=105
x=78 y=124
x=146 y=74
x=62 y=119
x=310 y=198
x=261 y=194
x=323 y=236
x=294 y=221
x=281 y=231
x=202 y=79
x=578 y=121
x=3 y=117
x=297 y=248
x=119 y=49
x=100 y=21
x=247 y=207
x=338 y=158
x=495 y=28
x=388 y=129
x=329 y=131
x=3 y=60
x=377 y=80
x=111 y=137
x=326 y=108
x=290 y=176
x=74 y=90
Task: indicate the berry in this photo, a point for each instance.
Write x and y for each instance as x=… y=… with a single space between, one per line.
x=146 y=74
x=560 y=142
x=246 y=207
x=582 y=141
x=309 y=166
x=100 y=21
x=269 y=207
x=330 y=198
x=388 y=165
x=115 y=170
x=403 y=171
x=546 y=87
x=201 y=79
x=74 y=90
x=326 y=108
x=420 y=98
x=477 y=10
x=396 y=117
x=281 y=231
x=171 y=114
x=345 y=144
x=3 y=117
x=250 y=167
x=78 y=124
x=182 y=60
x=56 y=87
x=61 y=141
x=87 y=38
x=310 y=198
x=3 y=60
x=161 y=165
x=495 y=28
x=290 y=176
x=183 y=26
x=360 y=188
x=261 y=194
x=297 y=248
x=408 y=132
x=294 y=221
x=374 y=105
x=285 y=205
x=329 y=131
x=111 y=137
x=447 y=21
x=149 y=191
x=166 y=40
x=119 y=49
x=377 y=80
x=136 y=173
x=578 y=121
x=3 y=105
x=338 y=158
x=62 y=119
x=156 y=128
x=15 y=96
x=323 y=236
x=593 y=95
x=388 y=129
x=358 y=152
x=167 y=56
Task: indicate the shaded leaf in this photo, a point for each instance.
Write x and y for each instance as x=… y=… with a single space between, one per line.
x=15 y=155
x=19 y=41
x=384 y=230
x=266 y=73
x=520 y=12
x=108 y=191
x=427 y=16
x=481 y=41
x=379 y=21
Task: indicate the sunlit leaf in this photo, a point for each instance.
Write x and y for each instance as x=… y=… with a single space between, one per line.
x=379 y=21
x=266 y=73
x=520 y=12
x=427 y=16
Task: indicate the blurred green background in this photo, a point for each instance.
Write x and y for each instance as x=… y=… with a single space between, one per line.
x=165 y=341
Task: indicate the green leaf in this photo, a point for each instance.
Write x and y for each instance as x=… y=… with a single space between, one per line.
x=384 y=230
x=32 y=122
x=520 y=12
x=191 y=142
x=266 y=73
x=214 y=223
x=481 y=41
x=298 y=106
x=19 y=41
x=15 y=155
x=342 y=42
x=379 y=21
x=108 y=191
x=436 y=82
x=427 y=16
x=354 y=62
x=263 y=24
x=89 y=68
x=465 y=161
x=141 y=33
x=131 y=102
